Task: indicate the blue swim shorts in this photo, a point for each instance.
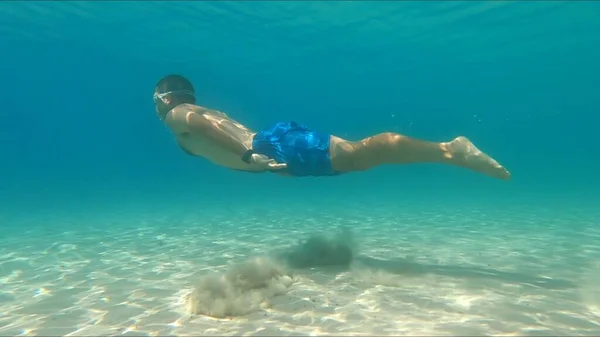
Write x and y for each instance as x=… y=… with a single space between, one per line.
x=305 y=152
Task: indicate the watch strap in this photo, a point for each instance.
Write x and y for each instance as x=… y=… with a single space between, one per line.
x=246 y=157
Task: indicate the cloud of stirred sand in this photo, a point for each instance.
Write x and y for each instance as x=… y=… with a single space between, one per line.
x=241 y=290
x=246 y=287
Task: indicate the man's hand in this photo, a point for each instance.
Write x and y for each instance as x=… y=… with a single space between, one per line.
x=266 y=162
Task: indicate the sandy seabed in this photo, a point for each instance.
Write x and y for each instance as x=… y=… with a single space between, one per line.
x=522 y=272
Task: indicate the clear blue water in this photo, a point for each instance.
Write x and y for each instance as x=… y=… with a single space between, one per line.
x=79 y=138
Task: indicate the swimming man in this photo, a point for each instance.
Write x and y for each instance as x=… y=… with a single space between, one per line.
x=292 y=149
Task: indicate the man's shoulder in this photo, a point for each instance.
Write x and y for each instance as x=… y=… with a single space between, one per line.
x=178 y=115
x=186 y=107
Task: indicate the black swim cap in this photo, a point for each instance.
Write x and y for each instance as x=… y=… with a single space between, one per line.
x=174 y=82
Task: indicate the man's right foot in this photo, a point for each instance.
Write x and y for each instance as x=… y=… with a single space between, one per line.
x=466 y=154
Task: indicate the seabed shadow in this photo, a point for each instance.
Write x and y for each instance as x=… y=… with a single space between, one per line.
x=335 y=253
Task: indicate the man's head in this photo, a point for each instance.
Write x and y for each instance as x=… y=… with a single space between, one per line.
x=171 y=91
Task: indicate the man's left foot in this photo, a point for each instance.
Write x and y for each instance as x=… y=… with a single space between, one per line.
x=464 y=153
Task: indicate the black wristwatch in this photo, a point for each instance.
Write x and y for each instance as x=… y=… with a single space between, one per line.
x=246 y=157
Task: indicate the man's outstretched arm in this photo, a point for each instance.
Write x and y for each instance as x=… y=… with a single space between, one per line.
x=199 y=124
x=191 y=123
x=221 y=132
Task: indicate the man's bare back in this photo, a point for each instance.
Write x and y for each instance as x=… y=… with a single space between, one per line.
x=294 y=149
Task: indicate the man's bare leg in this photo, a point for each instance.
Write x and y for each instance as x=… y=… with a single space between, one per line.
x=392 y=148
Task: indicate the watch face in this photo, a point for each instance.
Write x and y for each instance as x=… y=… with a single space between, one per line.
x=247 y=155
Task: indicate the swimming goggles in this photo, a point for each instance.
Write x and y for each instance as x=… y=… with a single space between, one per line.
x=156 y=97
